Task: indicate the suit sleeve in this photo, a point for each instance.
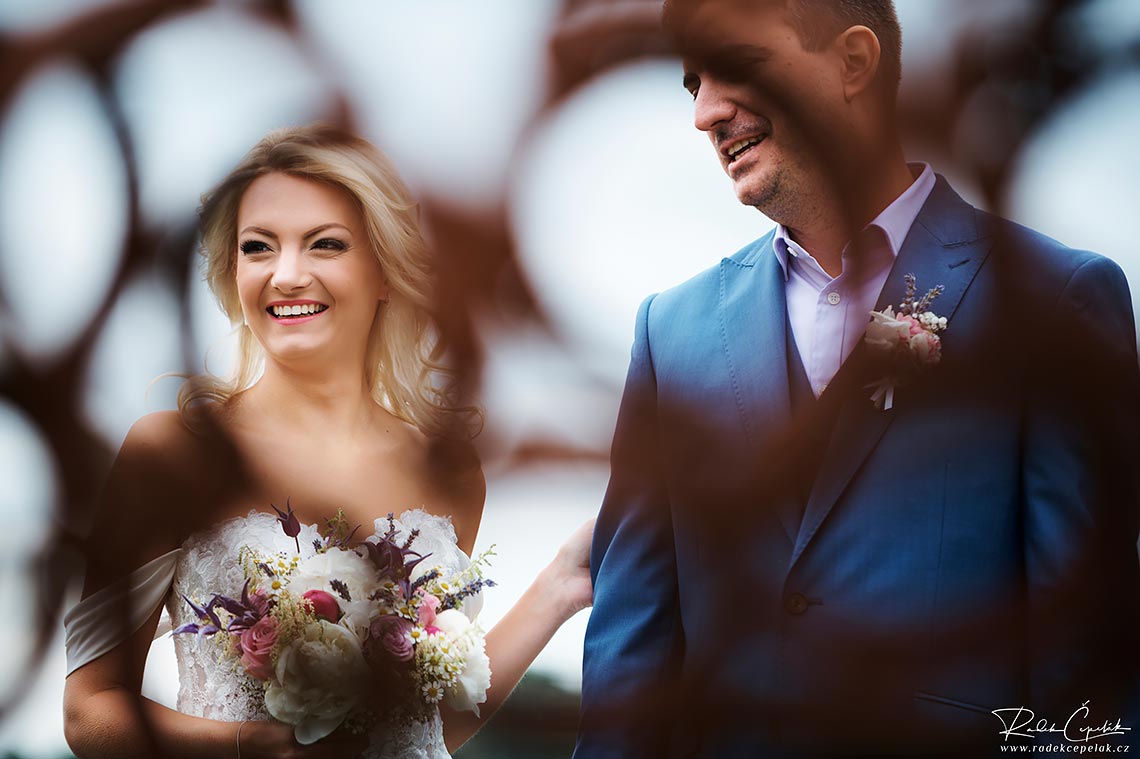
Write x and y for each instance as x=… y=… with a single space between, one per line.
x=633 y=641
x=1081 y=493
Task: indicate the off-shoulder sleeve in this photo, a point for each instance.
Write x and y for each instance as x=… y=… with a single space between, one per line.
x=90 y=633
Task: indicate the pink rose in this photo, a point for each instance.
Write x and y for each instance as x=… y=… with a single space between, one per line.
x=927 y=348
x=323 y=604
x=392 y=634
x=428 y=606
x=914 y=324
x=256 y=645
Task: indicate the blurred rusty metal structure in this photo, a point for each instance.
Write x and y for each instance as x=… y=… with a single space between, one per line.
x=1024 y=77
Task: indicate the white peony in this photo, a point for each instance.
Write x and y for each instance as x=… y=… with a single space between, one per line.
x=320 y=677
x=475 y=678
x=436 y=545
x=356 y=572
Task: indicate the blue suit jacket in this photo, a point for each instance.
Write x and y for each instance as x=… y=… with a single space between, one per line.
x=972 y=549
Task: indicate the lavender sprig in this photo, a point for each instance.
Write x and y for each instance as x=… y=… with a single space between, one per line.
x=906 y=308
x=931 y=294
x=425 y=578
x=341 y=589
x=452 y=600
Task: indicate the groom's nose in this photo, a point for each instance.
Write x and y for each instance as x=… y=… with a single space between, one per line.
x=713 y=104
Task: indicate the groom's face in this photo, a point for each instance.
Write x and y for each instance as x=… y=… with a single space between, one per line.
x=769 y=106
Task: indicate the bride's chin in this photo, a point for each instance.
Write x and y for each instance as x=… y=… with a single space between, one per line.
x=298 y=354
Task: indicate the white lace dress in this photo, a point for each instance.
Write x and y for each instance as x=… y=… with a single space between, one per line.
x=208 y=565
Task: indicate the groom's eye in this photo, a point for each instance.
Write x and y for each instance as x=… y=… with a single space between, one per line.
x=738 y=63
x=692 y=83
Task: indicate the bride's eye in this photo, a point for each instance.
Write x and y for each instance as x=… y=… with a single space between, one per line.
x=253 y=246
x=330 y=243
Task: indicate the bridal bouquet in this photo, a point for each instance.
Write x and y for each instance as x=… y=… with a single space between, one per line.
x=330 y=637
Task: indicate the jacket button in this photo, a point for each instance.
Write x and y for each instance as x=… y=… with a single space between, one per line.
x=796 y=603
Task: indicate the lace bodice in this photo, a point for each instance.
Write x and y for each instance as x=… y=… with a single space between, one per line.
x=217 y=689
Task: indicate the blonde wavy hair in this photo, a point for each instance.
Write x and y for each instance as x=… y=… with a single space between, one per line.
x=404 y=365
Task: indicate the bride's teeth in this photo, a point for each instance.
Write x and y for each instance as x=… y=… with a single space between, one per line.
x=305 y=309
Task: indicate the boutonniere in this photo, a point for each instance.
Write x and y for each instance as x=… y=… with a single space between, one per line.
x=908 y=340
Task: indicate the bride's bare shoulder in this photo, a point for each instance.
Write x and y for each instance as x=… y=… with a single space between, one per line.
x=157 y=432
x=166 y=477
x=170 y=444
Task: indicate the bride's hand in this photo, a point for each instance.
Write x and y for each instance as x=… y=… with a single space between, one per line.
x=262 y=740
x=571 y=570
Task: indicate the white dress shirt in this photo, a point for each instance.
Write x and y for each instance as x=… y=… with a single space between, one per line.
x=829 y=316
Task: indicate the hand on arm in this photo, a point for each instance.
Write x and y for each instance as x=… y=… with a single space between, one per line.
x=634 y=641
x=560 y=591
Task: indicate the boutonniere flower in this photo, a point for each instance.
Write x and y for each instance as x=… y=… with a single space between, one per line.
x=907 y=339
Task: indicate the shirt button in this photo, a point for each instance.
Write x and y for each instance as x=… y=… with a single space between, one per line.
x=833 y=298
x=796 y=603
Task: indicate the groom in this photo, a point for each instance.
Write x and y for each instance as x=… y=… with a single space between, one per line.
x=781 y=565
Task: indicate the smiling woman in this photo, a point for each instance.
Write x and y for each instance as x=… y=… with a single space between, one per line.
x=318 y=276
x=311 y=216
x=340 y=405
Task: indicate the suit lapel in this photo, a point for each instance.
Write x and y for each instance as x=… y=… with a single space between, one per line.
x=753 y=314
x=944 y=247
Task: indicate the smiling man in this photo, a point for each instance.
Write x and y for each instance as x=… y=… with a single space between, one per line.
x=816 y=545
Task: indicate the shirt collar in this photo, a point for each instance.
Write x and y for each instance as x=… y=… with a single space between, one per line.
x=895 y=220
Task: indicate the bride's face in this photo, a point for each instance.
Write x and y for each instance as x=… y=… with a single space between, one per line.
x=307 y=279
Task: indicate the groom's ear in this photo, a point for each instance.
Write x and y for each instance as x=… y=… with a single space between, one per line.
x=859 y=54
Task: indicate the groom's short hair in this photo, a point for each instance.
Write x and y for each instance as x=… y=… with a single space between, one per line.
x=818 y=22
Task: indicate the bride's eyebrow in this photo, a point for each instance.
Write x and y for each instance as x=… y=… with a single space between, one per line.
x=312 y=232
x=317 y=230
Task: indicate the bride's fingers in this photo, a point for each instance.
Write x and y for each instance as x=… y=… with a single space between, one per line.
x=574 y=563
x=576 y=550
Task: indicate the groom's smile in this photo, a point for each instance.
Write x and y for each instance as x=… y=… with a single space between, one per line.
x=760 y=96
x=741 y=152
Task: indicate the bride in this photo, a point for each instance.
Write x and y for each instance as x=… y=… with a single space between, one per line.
x=338 y=402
